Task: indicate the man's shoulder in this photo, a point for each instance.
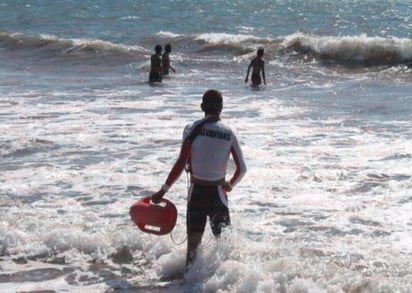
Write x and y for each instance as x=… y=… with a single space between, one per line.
x=224 y=127
x=188 y=128
x=258 y=60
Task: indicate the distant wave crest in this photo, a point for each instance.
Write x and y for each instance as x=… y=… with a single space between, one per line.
x=349 y=50
x=54 y=46
x=352 y=50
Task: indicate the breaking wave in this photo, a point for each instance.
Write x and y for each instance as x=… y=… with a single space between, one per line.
x=348 y=51
x=53 y=46
x=352 y=50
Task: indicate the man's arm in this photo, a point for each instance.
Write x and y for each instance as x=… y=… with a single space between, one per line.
x=247 y=74
x=175 y=172
x=263 y=72
x=240 y=164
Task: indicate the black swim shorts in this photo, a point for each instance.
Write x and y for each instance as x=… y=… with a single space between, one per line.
x=207 y=201
x=256 y=80
x=155 y=77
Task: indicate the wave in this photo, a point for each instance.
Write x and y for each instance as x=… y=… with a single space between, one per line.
x=348 y=51
x=351 y=50
x=53 y=46
x=62 y=46
x=214 y=43
x=223 y=38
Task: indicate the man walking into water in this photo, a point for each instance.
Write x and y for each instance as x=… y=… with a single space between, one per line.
x=166 y=60
x=258 y=65
x=155 y=74
x=206 y=149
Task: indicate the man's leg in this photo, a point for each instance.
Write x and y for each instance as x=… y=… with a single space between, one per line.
x=195 y=222
x=219 y=217
x=193 y=242
x=218 y=222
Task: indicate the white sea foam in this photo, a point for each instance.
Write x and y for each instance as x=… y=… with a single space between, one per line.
x=223 y=38
x=325 y=205
x=312 y=214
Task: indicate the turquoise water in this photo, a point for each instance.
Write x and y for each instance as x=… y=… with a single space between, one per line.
x=127 y=21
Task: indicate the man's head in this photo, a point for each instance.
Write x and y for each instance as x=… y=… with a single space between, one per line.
x=168 y=48
x=158 y=49
x=260 y=52
x=212 y=102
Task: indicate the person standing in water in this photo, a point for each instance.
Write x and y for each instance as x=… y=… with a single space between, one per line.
x=166 y=60
x=156 y=65
x=258 y=66
x=206 y=148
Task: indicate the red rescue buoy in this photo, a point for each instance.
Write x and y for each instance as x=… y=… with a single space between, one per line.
x=156 y=218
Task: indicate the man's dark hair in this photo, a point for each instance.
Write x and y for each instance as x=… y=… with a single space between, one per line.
x=212 y=102
x=158 y=49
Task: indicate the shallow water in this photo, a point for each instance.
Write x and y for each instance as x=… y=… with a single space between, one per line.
x=325 y=205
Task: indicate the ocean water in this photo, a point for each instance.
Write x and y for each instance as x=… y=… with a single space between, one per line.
x=326 y=203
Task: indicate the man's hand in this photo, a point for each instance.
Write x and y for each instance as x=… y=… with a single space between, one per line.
x=158 y=196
